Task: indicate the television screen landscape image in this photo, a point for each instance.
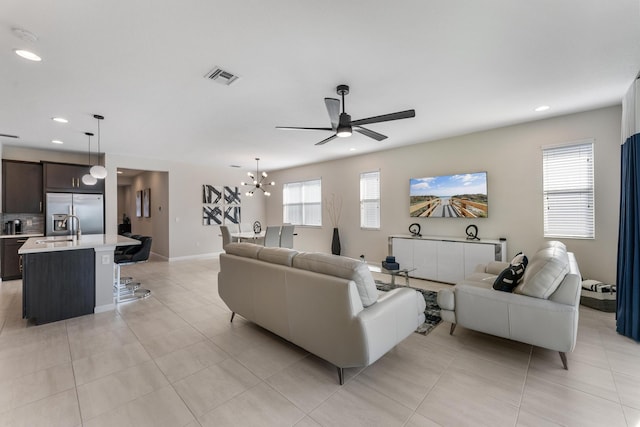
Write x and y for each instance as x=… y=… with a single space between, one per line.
x=449 y=196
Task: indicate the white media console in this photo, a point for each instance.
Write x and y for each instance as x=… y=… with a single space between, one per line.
x=444 y=259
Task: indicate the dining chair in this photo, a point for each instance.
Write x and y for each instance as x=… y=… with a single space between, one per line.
x=272 y=236
x=286 y=236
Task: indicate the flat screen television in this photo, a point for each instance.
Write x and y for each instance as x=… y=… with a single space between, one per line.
x=449 y=196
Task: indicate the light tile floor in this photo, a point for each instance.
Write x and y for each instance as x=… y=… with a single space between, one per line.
x=174 y=359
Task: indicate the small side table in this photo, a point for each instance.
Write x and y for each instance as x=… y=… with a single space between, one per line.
x=401 y=272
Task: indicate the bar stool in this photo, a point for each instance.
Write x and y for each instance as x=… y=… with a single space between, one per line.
x=126 y=290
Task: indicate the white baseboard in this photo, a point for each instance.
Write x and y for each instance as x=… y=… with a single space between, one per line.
x=162 y=257
x=103 y=308
x=211 y=255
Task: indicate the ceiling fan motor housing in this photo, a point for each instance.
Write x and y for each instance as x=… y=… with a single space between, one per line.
x=344 y=126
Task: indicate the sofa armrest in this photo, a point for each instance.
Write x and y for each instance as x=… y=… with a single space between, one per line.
x=495 y=267
x=389 y=321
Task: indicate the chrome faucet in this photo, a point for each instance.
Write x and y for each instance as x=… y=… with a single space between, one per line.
x=78 y=232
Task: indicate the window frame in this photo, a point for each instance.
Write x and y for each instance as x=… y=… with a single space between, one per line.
x=578 y=188
x=370 y=200
x=303 y=203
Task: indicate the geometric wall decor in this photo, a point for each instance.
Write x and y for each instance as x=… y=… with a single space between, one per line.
x=220 y=205
x=211 y=194
x=211 y=215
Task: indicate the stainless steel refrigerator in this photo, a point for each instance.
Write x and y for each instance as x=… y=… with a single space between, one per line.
x=89 y=208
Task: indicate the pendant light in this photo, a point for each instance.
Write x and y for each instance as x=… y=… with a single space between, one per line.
x=258 y=184
x=88 y=179
x=98 y=171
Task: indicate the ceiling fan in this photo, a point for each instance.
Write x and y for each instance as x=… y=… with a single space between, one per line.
x=342 y=124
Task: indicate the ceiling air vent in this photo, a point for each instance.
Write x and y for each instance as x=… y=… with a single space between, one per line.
x=221 y=76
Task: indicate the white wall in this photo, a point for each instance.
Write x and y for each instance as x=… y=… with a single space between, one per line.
x=187 y=236
x=513 y=159
x=181 y=202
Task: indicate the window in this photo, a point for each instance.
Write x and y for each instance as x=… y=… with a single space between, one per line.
x=370 y=200
x=302 y=203
x=568 y=191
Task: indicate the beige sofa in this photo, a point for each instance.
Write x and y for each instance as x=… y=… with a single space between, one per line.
x=326 y=304
x=542 y=310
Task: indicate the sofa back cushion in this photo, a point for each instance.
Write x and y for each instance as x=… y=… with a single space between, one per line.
x=545 y=272
x=247 y=250
x=343 y=267
x=282 y=256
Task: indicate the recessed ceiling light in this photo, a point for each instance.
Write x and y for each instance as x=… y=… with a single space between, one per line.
x=352 y=149
x=119 y=172
x=542 y=108
x=27 y=55
x=57 y=141
x=60 y=119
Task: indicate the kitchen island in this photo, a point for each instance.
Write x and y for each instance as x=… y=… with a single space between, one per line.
x=66 y=276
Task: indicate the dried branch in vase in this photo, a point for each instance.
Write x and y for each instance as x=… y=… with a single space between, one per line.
x=334 y=209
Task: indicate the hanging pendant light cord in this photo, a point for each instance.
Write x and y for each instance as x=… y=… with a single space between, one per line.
x=99 y=161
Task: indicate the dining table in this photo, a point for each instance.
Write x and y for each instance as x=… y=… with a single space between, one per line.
x=247 y=236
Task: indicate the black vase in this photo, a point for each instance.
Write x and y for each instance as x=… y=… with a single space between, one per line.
x=335 y=242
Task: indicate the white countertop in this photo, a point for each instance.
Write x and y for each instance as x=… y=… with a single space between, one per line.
x=65 y=243
x=20 y=236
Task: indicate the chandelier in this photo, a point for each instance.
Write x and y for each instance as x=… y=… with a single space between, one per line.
x=257 y=181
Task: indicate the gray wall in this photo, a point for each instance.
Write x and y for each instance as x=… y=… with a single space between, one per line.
x=512 y=157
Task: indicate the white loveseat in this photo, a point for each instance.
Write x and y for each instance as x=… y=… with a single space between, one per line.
x=542 y=310
x=326 y=304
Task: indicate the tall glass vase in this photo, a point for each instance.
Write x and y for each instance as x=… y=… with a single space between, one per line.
x=335 y=242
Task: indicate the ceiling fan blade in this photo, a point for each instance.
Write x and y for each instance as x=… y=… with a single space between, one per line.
x=385 y=118
x=333 y=108
x=296 y=128
x=371 y=134
x=324 y=141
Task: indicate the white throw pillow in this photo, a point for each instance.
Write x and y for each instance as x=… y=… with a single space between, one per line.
x=343 y=267
x=545 y=272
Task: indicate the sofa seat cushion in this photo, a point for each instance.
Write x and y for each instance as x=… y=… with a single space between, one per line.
x=243 y=249
x=282 y=256
x=545 y=271
x=343 y=267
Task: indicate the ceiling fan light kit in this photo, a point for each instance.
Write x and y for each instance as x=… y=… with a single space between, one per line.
x=258 y=184
x=342 y=124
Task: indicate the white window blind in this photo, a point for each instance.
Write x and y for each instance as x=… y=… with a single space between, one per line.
x=568 y=187
x=370 y=200
x=302 y=203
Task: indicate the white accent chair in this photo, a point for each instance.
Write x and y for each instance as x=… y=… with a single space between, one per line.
x=542 y=311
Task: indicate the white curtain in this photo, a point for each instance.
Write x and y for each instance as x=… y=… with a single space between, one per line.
x=631 y=111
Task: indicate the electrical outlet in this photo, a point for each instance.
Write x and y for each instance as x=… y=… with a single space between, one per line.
x=29 y=222
x=105 y=259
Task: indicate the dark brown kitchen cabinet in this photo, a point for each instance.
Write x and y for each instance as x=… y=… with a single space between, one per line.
x=58 y=285
x=66 y=177
x=21 y=187
x=11 y=263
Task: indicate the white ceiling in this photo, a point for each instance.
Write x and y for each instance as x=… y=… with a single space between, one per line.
x=463 y=65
